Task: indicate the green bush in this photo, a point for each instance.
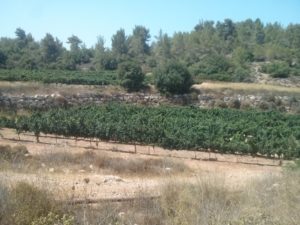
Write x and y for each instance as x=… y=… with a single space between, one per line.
x=131 y=76
x=277 y=69
x=220 y=68
x=54 y=219
x=214 y=64
x=173 y=78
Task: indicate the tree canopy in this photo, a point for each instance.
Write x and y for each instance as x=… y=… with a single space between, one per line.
x=221 y=50
x=173 y=78
x=131 y=76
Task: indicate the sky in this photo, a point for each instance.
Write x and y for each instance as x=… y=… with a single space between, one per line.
x=89 y=19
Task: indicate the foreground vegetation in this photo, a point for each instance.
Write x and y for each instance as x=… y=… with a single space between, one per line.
x=18 y=159
x=267 y=201
x=223 y=130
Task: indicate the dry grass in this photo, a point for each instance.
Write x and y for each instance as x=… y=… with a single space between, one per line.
x=269 y=201
x=14 y=158
x=17 y=158
x=36 y=88
x=247 y=87
x=272 y=200
x=117 y=165
x=24 y=204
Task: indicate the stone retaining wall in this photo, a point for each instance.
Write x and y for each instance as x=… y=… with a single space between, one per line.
x=284 y=103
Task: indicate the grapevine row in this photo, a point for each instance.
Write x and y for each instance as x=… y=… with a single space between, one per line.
x=60 y=76
x=222 y=130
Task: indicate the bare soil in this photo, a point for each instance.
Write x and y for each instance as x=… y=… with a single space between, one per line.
x=235 y=171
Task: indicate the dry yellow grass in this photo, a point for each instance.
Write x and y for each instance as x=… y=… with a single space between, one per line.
x=251 y=87
x=36 y=88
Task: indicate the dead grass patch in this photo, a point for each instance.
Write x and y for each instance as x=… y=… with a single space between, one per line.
x=15 y=158
x=247 y=88
x=24 y=204
x=270 y=200
x=118 y=165
x=36 y=88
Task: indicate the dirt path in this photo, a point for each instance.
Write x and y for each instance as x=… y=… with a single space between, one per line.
x=233 y=171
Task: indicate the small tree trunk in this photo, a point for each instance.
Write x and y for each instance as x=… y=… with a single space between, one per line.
x=280 y=161
x=37 y=136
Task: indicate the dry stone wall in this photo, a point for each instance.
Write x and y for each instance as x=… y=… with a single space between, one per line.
x=283 y=103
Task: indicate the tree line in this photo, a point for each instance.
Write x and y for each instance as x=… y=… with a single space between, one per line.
x=221 y=130
x=215 y=51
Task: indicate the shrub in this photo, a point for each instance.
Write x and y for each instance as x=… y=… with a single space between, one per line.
x=220 y=104
x=173 y=78
x=131 y=76
x=218 y=67
x=214 y=64
x=12 y=154
x=246 y=104
x=242 y=56
x=241 y=75
x=234 y=103
x=277 y=69
x=29 y=203
x=25 y=204
x=54 y=219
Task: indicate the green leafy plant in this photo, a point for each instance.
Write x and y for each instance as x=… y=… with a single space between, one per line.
x=131 y=76
x=173 y=78
x=225 y=130
x=277 y=69
x=54 y=219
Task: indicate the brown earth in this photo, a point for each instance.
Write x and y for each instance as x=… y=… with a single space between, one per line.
x=77 y=183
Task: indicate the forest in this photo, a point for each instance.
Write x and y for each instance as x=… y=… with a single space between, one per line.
x=222 y=50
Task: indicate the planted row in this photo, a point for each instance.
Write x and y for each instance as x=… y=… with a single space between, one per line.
x=60 y=76
x=222 y=130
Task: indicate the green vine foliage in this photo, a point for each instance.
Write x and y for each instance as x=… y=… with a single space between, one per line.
x=222 y=130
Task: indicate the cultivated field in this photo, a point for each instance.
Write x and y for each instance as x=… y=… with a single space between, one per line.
x=133 y=184
x=67 y=180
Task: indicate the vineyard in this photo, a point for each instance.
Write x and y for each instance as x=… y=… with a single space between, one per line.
x=225 y=131
x=60 y=76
